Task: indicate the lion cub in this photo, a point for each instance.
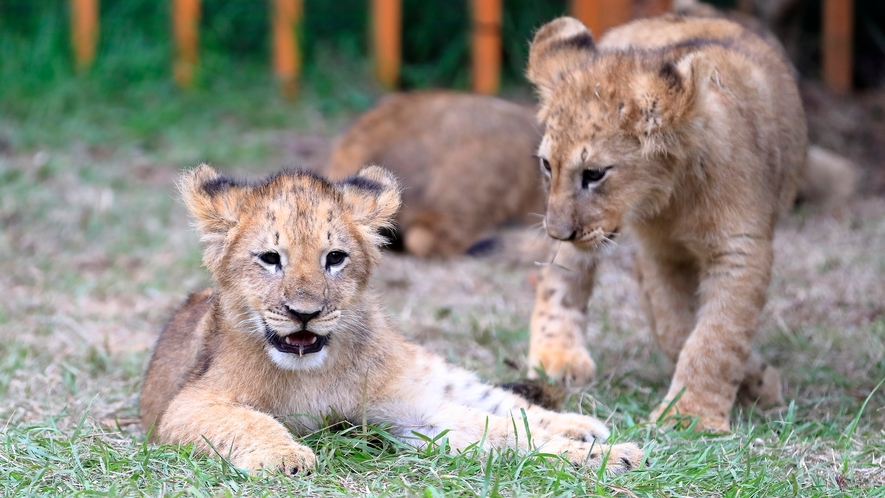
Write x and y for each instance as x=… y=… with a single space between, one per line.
x=691 y=133
x=465 y=162
x=291 y=336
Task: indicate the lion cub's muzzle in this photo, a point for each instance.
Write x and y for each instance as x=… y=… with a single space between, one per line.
x=590 y=239
x=303 y=340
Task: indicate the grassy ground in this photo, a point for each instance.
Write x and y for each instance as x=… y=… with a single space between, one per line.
x=95 y=252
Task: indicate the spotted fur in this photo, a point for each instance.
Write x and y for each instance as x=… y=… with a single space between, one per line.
x=292 y=338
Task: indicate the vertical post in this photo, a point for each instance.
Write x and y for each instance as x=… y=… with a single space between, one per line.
x=615 y=13
x=84 y=31
x=589 y=12
x=600 y=15
x=185 y=25
x=386 y=39
x=286 y=50
x=837 y=44
x=486 y=45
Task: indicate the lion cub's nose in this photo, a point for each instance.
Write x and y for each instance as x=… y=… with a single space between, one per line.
x=561 y=233
x=302 y=316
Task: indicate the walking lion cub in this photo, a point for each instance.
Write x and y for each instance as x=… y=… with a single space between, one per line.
x=689 y=132
x=291 y=336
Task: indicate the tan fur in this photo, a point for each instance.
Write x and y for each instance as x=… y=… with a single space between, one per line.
x=465 y=162
x=240 y=368
x=690 y=133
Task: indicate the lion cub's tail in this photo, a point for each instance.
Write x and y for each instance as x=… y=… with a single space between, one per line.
x=829 y=180
x=539 y=392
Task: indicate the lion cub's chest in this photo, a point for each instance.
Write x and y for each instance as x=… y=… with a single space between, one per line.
x=306 y=401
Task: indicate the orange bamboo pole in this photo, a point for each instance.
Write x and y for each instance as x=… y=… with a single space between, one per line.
x=84 y=31
x=616 y=12
x=589 y=13
x=600 y=15
x=486 y=46
x=185 y=26
x=286 y=44
x=837 y=44
x=386 y=40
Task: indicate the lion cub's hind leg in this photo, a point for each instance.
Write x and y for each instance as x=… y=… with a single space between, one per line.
x=469 y=425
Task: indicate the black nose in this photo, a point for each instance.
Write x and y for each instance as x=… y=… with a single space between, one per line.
x=302 y=316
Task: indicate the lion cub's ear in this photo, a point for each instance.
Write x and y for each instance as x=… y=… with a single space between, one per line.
x=558 y=45
x=373 y=194
x=667 y=96
x=214 y=202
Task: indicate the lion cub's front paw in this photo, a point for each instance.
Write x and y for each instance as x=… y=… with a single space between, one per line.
x=618 y=458
x=579 y=427
x=573 y=366
x=290 y=460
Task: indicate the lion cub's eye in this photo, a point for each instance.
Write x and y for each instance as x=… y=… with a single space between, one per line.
x=545 y=164
x=592 y=176
x=269 y=258
x=335 y=258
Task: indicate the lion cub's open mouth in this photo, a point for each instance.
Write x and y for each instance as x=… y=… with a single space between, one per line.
x=301 y=343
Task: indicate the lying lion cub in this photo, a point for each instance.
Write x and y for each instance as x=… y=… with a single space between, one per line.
x=291 y=335
x=691 y=133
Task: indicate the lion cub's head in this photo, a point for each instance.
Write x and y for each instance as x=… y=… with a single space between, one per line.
x=612 y=120
x=292 y=254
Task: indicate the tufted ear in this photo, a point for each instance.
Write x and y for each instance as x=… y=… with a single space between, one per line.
x=373 y=194
x=558 y=46
x=666 y=97
x=214 y=202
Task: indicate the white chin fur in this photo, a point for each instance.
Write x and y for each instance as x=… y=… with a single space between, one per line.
x=289 y=361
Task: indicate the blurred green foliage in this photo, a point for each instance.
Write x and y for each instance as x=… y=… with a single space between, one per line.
x=128 y=94
x=135 y=38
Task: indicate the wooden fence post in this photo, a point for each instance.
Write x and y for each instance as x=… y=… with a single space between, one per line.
x=286 y=44
x=486 y=46
x=84 y=32
x=600 y=15
x=386 y=40
x=185 y=25
x=838 y=24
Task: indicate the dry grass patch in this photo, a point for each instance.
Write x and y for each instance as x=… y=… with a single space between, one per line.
x=95 y=252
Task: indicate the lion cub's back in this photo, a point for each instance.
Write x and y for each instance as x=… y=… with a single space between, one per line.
x=175 y=357
x=668 y=29
x=456 y=155
x=751 y=71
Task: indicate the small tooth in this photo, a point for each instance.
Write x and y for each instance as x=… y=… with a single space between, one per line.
x=289 y=340
x=313 y=339
x=301 y=351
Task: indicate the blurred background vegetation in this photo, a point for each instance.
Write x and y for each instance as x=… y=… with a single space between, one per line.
x=127 y=97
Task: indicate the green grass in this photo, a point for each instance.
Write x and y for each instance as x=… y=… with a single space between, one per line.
x=95 y=253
